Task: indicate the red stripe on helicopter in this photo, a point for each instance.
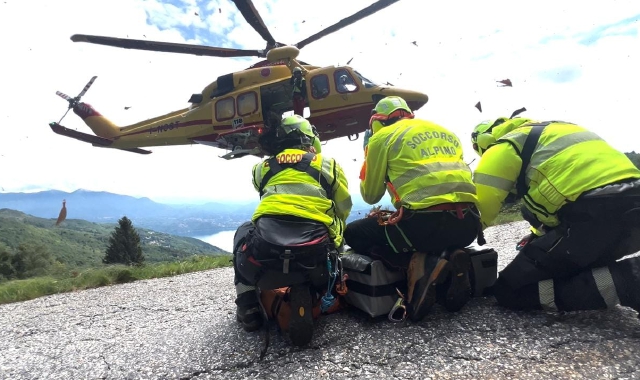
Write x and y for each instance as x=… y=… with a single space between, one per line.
x=171 y=126
x=348 y=108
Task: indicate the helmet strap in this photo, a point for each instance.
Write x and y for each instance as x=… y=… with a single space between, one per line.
x=391 y=118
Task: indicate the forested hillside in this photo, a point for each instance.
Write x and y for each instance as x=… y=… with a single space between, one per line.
x=78 y=243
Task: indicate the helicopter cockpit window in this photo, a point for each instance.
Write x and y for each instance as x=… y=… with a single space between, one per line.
x=366 y=82
x=225 y=109
x=247 y=103
x=344 y=81
x=320 y=86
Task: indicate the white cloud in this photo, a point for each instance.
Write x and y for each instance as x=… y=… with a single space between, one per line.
x=463 y=48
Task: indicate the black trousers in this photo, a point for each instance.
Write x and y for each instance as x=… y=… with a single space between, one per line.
x=429 y=232
x=573 y=267
x=240 y=238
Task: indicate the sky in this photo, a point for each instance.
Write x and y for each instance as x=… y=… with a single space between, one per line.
x=567 y=60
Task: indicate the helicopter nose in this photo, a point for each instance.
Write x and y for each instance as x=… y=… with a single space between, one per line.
x=415 y=99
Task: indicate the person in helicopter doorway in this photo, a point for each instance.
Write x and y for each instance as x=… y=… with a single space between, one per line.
x=581 y=197
x=299 y=92
x=345 y=84
x=420 y=164
x=311 y=187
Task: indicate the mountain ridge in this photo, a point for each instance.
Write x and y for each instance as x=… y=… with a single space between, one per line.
x=178 y=219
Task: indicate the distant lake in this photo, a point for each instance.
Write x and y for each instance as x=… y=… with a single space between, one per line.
x=222 y=239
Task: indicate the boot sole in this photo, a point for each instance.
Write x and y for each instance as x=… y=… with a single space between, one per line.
x=428 y=296
x=459 y=291
x=301 y=321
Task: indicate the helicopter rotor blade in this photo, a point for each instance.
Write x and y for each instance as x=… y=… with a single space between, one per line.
x=251 y=15
x=168 y=47
x=371 y=9
x=63 y=95
x=86 y=88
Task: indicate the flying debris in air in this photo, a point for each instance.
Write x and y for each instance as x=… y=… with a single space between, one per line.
x=63 y=213
x=349 y=61
x=126 y=108
x=517 y=112
x=196 y=13
x=219 y=10
x=505 y=83
x=303 y=21
x=415 y=43
x=479 y=107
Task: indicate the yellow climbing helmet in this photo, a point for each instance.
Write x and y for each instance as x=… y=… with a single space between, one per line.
x=482 y=136
x=296 y=126
x=387 y=111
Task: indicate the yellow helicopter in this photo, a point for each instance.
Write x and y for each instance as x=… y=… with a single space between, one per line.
x=232 y=112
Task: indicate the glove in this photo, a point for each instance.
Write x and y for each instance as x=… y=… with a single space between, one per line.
x=526 y=240
x=367 y=135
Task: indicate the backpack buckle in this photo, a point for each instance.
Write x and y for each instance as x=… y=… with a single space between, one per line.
x=286 y=256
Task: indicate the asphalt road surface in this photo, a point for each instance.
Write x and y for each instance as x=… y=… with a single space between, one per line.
x=184 y=328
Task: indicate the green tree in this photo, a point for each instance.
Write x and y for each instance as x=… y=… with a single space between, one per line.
x=124 y=245
x=31 y=260
x=6 y=268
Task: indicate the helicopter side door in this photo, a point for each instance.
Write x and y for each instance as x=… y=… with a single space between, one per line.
x=237 y=110
x=237 y=117
x=334 y=99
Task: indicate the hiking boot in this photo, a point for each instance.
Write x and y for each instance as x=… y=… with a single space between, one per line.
x=301 y=321
x=626 y=282
x=250 y=316
x=459 y=286
x=424 y=274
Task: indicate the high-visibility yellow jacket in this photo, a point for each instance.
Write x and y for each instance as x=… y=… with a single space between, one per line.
x=296 y=193
x=567 y=161
x=419 y=162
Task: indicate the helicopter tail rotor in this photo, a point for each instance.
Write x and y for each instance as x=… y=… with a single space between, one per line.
x=74 y=101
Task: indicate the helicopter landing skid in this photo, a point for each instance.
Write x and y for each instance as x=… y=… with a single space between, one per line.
x=241 y=153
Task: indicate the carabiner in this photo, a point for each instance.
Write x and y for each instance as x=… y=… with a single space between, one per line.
x=398 y=312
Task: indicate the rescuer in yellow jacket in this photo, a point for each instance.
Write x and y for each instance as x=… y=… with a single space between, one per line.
x=298 y=184
x=420 y=164
x=582 y=199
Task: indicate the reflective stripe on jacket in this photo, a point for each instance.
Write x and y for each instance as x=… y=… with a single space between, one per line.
x=567 y=161
x=423 y=163
x=296 y=193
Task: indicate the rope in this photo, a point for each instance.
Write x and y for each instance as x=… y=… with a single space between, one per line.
x=328 y=299
x=386 y=217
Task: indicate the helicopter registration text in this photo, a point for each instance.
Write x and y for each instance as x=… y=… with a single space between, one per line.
x=165 y=127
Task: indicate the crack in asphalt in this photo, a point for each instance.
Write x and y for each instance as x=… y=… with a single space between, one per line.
x=236 y=366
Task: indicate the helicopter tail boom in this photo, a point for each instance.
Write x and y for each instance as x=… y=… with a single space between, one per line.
x=93 y=140
x=99 y=124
